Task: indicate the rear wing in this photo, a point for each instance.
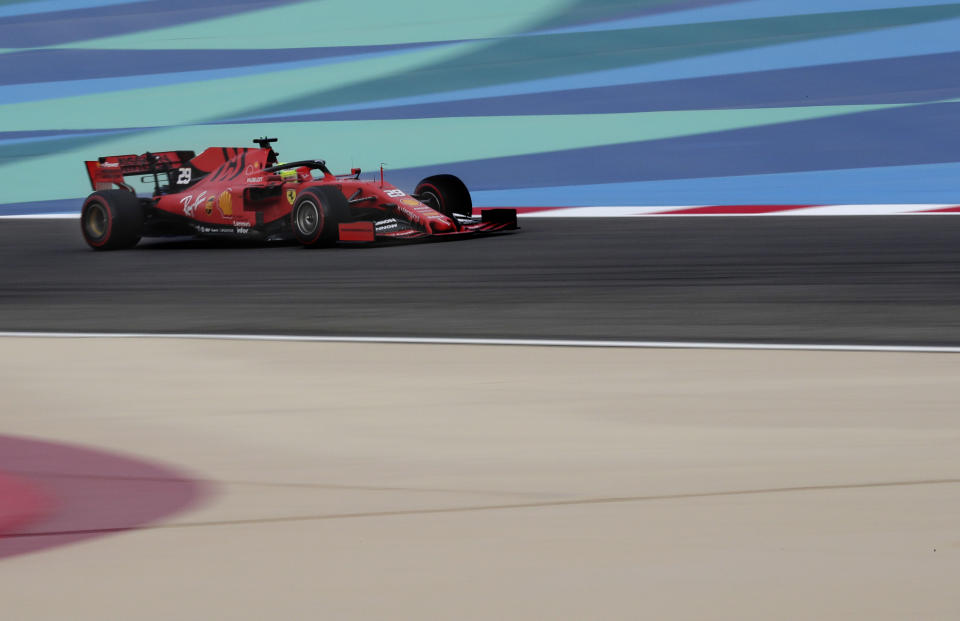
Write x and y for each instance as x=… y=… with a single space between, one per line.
x=108 y=171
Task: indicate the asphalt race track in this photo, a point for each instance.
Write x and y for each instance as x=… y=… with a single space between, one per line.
x=856 y=280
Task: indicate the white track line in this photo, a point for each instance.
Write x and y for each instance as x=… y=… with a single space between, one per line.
x=42 y=216
x=664 y=211
x=679 y=211
x=413 y=340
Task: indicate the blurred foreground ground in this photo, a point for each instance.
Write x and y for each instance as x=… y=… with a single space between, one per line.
x=416 y=482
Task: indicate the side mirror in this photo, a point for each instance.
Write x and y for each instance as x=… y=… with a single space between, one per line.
x=355 y=171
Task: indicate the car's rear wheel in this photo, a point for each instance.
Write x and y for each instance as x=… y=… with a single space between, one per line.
x=446 y=194
x=316 y=214
x=111 y=220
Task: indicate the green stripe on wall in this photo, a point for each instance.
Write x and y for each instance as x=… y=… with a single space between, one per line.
x=590 y=11
x=344 y=22
x=401 y=143
x=528 y=58
x=202 y=101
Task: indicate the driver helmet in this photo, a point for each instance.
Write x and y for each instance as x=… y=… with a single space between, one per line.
x=288 y=174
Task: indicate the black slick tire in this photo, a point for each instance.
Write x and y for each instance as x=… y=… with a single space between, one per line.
x=316 y=214
x=111 y=220
x=446 y=194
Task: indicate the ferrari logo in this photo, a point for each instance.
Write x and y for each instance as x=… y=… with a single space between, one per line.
x=291 y=196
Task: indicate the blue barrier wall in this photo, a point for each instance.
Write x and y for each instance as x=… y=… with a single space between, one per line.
x=540 y=103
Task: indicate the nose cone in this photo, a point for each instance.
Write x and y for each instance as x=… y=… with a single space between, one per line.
x=430 y=219
x=440 y=224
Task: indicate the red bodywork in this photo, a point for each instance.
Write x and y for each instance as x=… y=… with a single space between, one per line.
x=226 y=190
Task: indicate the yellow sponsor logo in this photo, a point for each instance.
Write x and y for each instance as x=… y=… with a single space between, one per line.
x=410 y=201
x=226 y=203
x=291 y=196
x=208 y=207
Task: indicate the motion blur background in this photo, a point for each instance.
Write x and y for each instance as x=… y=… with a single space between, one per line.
x=534 y=103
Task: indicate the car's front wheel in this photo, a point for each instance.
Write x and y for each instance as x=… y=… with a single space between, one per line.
x=446 y=194
x=316 y=216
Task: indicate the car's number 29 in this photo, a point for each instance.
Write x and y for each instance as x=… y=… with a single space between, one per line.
x=184 y=178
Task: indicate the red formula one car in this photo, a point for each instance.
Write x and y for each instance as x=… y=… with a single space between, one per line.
x=247 y=193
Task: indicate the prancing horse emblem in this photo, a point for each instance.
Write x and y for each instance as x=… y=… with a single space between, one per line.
x=291 y=196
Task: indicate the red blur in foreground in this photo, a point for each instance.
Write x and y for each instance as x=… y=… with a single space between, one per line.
x=52 y=494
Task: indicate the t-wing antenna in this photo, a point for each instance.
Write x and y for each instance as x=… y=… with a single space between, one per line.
x=265 y=144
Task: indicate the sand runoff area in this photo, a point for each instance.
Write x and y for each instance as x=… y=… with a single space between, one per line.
x=364 y=481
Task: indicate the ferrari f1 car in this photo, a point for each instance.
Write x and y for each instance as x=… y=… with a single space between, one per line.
x=247 y=193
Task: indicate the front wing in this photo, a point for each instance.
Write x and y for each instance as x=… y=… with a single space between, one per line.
x=396 y=229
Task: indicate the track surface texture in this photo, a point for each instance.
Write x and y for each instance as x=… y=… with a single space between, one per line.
x=855 y=280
